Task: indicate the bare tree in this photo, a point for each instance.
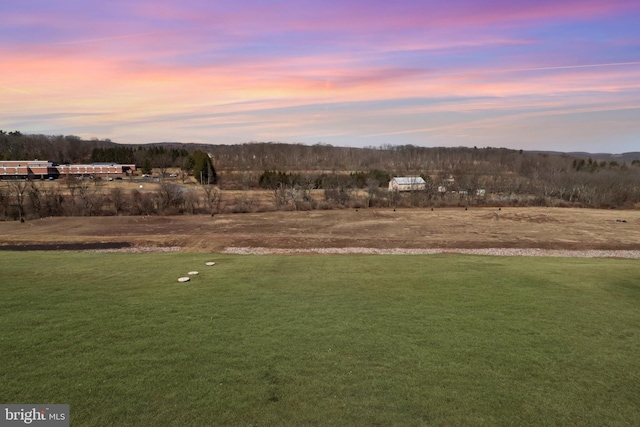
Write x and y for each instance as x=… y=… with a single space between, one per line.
x=280 y=195
x=191 y=200
x=213 y=197
x=337 y=189
x=18 y=188
x=53 y=201
x=185 y=168
x=307 y=184
x=168 y=196
x=469 y=184
x=35 y=197
x=294 y=195
x=163 y=161
x=118 y=199
x=142 y=203
x=4 y=202
x=90 y=200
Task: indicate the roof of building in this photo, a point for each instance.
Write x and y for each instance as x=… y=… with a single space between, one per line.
x=409 y=180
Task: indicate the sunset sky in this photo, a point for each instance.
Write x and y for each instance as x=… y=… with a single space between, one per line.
x=534 y=75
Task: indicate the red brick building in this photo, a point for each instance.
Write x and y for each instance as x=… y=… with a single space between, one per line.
x=42 y=169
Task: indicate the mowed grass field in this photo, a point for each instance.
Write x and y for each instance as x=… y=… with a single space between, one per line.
x=322 y=340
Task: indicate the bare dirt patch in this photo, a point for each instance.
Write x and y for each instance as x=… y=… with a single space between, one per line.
x=478 y=228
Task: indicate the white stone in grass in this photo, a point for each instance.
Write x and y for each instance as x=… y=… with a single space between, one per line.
x=192 y=273
x=210 y=263
x=183 y=279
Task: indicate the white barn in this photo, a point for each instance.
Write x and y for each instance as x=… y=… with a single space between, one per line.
x=407 y=183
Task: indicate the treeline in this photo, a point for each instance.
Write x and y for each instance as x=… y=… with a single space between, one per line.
x=58 y=148
x=590 y=165
x=274 y=179
x=404 y=159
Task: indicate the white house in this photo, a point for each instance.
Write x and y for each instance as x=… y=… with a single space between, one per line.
x=407 y=183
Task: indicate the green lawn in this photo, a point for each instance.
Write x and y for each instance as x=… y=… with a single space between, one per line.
x=322 y=340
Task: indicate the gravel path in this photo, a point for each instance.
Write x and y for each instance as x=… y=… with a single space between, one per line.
x=590 y=253
x=400 y=251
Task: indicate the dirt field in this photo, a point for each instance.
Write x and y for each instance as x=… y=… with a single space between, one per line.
x=547 y=228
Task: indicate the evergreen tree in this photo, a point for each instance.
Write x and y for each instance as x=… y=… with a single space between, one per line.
x=203 y=169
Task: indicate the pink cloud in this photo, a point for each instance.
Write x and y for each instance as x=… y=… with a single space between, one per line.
x=124 y=80
x=248 y=19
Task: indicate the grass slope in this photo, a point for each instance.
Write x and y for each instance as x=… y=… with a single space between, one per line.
x=322 y=340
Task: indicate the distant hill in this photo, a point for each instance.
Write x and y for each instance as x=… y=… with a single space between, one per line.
x=623 y=157
x=260 y=156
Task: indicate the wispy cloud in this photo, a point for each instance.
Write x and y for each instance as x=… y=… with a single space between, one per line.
x=12 y=89
x=112 y=38
x=566 y=67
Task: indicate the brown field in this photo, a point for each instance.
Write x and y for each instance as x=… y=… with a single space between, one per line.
x=547 y=228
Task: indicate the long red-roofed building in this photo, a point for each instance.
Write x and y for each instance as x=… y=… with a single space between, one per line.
x=42 y=169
